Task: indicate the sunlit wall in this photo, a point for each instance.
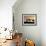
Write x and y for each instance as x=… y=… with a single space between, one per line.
x=6 y=13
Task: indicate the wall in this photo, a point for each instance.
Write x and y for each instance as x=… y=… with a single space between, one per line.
x=28 y=7
x=6 y=13
x=6 y=17
x=43 y=22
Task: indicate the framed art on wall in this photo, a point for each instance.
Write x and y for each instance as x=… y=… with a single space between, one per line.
x=29 y=19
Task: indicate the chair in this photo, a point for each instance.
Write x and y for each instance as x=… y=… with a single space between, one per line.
x=18 y=39
x=29 y=43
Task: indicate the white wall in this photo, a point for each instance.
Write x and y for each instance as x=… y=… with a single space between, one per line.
x=6 y=13
x=25 y=7
x=43 y=22
x=28 y=7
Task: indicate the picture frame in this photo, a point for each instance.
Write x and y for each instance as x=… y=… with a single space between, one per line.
x=29 y=19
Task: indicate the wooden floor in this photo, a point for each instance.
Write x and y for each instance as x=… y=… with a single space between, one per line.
x=9 y=43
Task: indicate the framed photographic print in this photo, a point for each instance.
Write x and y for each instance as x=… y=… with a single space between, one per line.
x=29 y=19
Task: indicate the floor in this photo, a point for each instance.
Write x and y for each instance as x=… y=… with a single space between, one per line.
x=9 y=43
x=12 y=42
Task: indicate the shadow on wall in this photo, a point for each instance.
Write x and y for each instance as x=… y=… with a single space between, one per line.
x=17 y=4
x=23 y=6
